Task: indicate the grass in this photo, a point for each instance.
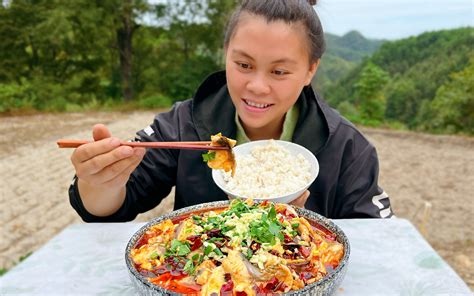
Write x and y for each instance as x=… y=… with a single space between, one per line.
x=5 y=270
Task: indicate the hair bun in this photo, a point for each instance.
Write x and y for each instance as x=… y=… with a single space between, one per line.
x=312 y=2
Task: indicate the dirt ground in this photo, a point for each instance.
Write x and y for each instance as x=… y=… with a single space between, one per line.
x=429 y=179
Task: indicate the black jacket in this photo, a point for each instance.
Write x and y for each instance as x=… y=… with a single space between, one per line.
x=346 y=186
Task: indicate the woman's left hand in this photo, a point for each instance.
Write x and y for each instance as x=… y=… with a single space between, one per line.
x=301 y=200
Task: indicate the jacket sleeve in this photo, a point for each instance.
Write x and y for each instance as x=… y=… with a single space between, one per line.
x=154 y=177
x=358 y=191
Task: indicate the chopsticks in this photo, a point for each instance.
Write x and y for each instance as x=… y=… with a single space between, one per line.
x=201 y=145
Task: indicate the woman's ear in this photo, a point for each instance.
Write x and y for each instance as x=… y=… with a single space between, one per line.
x=311 y=71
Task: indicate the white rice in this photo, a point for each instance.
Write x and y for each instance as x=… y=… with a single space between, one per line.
x=269 y=171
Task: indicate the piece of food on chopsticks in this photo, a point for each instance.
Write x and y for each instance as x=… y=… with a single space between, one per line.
x=221 y=159
x=244 y=249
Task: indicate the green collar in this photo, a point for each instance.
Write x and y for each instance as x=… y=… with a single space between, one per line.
x=291 y=118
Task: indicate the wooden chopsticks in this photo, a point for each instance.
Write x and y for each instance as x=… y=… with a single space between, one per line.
x=202 y=145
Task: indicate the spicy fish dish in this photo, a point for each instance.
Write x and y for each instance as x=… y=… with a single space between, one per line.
x=244 y=248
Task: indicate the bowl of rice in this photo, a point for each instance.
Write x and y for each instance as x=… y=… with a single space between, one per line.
x=274 y=170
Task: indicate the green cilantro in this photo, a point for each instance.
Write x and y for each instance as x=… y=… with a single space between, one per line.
x=274 y=228
x=272 y=213
x=238 y=207
x=267 y=229
x=178 y=248
x=209 y=156
x=189 y=267
x=249 y=254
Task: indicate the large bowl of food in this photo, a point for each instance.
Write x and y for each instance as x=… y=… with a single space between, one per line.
x=238 y=247
x=273 y=170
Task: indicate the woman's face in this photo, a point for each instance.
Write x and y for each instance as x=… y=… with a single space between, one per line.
x=267 y=66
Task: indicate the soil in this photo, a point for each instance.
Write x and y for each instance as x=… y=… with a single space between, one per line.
x=429 y=179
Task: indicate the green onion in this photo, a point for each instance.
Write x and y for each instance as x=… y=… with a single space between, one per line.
x=209 y=156
x=218 y=252
x=208 y=250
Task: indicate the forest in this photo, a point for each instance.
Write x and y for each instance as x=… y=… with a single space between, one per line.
x=69 y=56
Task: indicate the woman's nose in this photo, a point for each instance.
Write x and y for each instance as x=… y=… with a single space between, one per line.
x=258 y=85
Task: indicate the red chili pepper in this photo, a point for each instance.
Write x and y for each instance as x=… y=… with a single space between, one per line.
x=227 y=288
x=271 y=285
x=305 y=251
x=196 y=242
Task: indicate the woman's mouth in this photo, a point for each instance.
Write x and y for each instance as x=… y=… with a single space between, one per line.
x=256 y=107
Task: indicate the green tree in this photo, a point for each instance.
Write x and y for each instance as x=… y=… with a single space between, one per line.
x=121 y=18
x=192 y=44
x=452 y=109
x=402 y=100
x=370 y=98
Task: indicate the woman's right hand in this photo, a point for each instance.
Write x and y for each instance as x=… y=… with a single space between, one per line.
x=103 y=167
x=104 y=163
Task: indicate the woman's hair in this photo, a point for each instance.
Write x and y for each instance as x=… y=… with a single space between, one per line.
x=289 y=11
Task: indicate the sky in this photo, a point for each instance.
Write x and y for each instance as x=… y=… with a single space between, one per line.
x=394 y=19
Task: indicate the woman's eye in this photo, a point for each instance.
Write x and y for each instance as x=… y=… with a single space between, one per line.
x=279 y=72
x=244 y=65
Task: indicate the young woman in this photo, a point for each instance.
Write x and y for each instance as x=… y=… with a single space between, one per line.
x=273 y=49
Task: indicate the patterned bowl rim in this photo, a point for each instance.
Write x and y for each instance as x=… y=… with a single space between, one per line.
x=310 y=215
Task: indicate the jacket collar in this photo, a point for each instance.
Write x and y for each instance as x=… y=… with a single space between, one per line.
x=212 y=109
x=214 y=112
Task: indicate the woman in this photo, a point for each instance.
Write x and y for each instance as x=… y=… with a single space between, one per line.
x=273 y=49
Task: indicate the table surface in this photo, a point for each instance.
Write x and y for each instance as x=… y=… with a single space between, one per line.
x=388 y=257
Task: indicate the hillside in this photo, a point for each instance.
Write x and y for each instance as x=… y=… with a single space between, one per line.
x=352 y=46
x=425 y=82
x=343 y=53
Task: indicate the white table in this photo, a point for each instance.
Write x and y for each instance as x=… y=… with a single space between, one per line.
x=388 y=257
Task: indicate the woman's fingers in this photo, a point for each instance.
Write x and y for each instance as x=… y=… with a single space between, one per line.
x=122 y=178
x=101 y=161
x=103 y=144
x=301 y=200
x=91 y=150
x=104 y=159
x=100 y=131
x=118 y=168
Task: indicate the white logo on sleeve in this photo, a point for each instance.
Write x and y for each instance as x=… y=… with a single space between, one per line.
x=149 y=130
x=384 y=213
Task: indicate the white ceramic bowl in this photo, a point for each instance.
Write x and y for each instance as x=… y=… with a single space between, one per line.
x=293 y=148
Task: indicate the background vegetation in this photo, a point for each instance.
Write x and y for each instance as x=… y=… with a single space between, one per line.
x=80 y=55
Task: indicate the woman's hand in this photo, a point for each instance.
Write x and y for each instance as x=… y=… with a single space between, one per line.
x=104 y=163
x=103 y=167
x=301 y=200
